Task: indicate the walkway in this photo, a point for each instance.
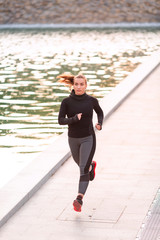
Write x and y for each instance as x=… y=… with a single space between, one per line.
x=127 y=180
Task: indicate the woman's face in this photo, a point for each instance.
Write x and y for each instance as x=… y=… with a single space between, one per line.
x=79 y=86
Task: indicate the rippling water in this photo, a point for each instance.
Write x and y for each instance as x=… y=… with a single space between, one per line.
x=29 y=93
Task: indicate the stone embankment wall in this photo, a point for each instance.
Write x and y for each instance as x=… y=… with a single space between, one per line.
x=78 y=11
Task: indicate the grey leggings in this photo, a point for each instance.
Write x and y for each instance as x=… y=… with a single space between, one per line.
x=83 y=150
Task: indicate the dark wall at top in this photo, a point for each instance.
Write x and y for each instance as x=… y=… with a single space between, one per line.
x=80 y=11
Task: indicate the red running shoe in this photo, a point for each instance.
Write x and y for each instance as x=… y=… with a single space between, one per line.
x=77 y=204
x=92 y=172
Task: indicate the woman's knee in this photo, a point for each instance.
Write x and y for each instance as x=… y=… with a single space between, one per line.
x=84 y=170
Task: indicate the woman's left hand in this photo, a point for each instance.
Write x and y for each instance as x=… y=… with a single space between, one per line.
x=98 y=126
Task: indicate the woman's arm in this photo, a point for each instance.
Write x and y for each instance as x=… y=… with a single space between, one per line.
x=62 y=119
x=99 y=112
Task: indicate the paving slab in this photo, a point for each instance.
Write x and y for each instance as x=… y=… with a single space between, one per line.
x=127 y=180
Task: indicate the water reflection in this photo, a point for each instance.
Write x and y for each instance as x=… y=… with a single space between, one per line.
x=30 y=61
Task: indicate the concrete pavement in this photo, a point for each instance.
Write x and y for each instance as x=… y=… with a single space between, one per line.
x=127 y=180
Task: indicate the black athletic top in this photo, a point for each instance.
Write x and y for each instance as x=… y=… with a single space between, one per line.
x=75 y=104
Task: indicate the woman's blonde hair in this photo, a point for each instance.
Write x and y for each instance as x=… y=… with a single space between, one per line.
x=68 y=78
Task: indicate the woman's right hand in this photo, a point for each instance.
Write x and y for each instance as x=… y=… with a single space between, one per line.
x=79 y=115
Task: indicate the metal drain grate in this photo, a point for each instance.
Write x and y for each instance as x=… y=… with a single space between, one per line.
x=150 y=229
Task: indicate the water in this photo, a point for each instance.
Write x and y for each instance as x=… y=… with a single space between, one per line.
x=30 y=95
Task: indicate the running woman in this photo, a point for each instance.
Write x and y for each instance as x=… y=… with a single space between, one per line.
x=77 y=111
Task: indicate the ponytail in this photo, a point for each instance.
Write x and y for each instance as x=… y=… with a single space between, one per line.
x=67 y=79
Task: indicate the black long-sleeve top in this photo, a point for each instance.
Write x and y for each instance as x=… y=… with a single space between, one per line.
x=75 y=104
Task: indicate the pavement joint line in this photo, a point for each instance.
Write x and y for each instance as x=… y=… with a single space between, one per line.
x=26 y=183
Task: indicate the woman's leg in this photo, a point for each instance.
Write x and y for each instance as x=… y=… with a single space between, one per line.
x=82 y=150
x=87 y=150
